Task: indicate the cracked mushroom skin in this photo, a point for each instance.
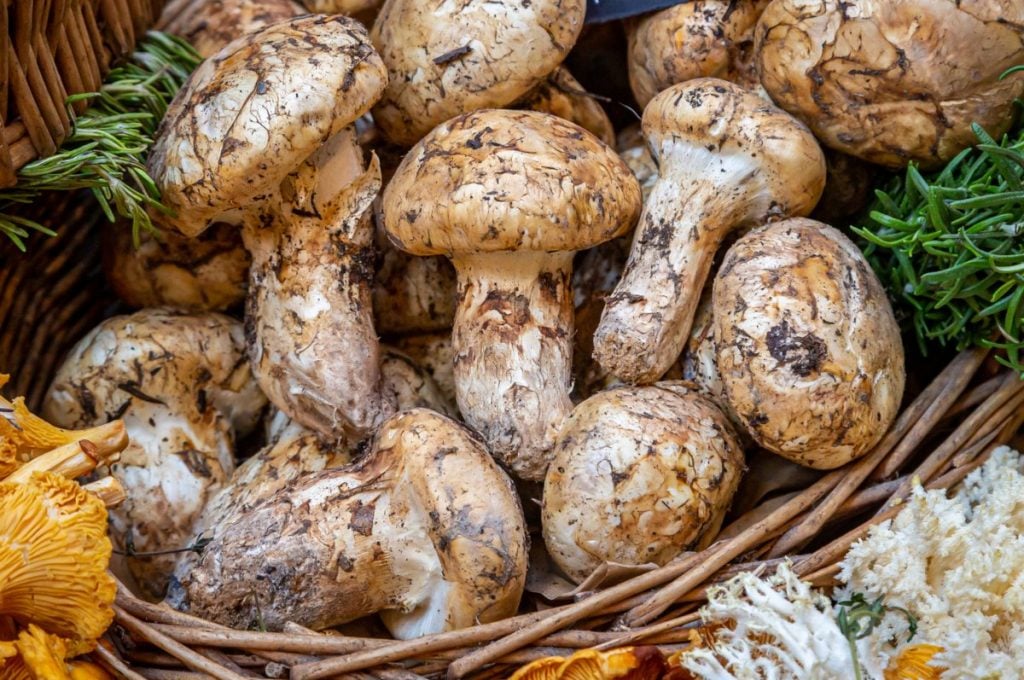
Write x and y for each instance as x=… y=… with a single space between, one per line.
x=184 y=390
x=445 y=59
x=807 y=345
x=509 y=196
x=893 y=82
x=425 y=529
x=727 y=160
x=640 y=474
x=704 y=38
x=289 y=93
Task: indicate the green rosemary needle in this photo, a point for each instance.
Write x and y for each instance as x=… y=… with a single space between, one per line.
x=949 y=246
x=106 y=149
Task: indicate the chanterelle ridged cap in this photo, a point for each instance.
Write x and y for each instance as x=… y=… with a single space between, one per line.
x=498 y=180
x=250 y=115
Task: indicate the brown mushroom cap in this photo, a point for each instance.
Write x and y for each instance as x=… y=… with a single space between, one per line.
x=249 y=116
x=210 y=25
x=425 y=529
x=704 y=38
x=562 y=95
x=807 y=345
x=727 y=160
x=184 y=390
x=639 y=475
x=499 y=180
x=207 y=273
x=892 y=82
x=444 y=59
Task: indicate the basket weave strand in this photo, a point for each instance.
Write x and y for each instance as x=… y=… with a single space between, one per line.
x=49 y=50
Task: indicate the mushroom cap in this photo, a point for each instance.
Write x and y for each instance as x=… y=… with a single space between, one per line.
x=892 y=82
x=562 y=95
x=250 y=115
x=207 y=273
x=707 y=114
x=424 y=528
x=499 y=180
x=808 y=348
x=639 y=475
x=209 y=25
x=449 y=58
x=704 y=38
x=433 y=352
x=54 y=553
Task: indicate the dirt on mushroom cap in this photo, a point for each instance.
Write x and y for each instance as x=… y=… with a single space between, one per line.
x=639 y=475
x=807 y=345
x=892 y=82
x=229 y=138
x=498 y=180
x=449 y=58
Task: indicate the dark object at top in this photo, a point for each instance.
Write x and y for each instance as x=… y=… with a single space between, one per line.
x=609 y=10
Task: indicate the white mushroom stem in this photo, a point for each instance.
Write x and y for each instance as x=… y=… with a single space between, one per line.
x=310 y=315
x=513 y=352
x=646 y=321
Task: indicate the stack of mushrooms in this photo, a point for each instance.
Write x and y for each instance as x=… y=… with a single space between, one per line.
x=349 y=381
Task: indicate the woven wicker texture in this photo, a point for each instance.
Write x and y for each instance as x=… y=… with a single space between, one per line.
x=50 y=49
x=53 y=294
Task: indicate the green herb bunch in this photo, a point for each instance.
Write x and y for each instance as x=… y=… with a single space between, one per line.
x=107 y=147
x=949 y=246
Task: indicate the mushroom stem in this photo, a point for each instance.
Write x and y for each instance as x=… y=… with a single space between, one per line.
x=108 y=490
x=513 y=352
x=647 y=320
x=310 y=303
x=71 y=460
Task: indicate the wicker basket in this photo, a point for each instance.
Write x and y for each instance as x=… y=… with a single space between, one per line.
x=50 y=49
x=52 y=295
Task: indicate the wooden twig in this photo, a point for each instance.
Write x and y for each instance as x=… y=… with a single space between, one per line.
x=114 y=664
x=937 y=459
x=632 y=637
x=188 y=657
x=162 y=614
x=906 y=435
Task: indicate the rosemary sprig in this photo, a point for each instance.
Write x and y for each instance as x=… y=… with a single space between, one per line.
x=106 y=149
x=858 y=618
x=949 y=246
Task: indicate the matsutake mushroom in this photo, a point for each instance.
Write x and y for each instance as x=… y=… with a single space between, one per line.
x=509 y=196
x=275 y=110
x=425 y=529
x=639 y=475
x=703 y=38
x=208 y=273
x=807 y=346
x=562 y=95
x=727 y=160
x=185 y=393
x=445 y=59
x=210 y=25
x=893 y=82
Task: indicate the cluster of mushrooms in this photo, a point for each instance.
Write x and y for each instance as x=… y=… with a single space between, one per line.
x=433 y=179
